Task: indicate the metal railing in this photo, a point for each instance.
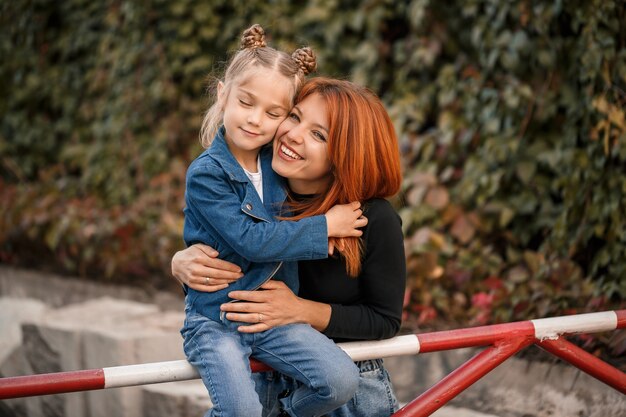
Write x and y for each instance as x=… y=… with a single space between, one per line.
x=502 y=341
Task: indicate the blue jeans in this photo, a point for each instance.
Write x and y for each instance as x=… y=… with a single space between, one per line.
x=221 y=354
x=374 y=396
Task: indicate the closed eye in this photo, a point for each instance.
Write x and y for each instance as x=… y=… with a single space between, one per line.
x=319 y=136
x=245 y=103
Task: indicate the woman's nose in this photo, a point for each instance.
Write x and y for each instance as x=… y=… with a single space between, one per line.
x=295 y=134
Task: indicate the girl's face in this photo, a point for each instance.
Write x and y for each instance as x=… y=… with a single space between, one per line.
x=300 y=148
x=253 y=110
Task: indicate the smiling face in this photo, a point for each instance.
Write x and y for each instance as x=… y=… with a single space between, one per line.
x=253 y=110
x=300 y=148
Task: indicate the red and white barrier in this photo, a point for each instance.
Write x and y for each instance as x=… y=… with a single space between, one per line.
x=504 y=340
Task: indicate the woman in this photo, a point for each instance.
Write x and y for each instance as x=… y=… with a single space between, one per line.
x=337 y=145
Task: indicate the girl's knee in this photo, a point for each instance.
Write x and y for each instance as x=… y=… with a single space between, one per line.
x=351 y=384
x=344 y=382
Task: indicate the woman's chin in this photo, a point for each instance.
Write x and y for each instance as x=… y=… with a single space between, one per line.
x=279 y=167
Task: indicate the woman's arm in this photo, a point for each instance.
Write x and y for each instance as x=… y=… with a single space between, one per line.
x=199 y=268
x=381 y=287
x=275 y=306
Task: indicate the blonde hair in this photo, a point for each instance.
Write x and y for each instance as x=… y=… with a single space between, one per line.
x=254 y=53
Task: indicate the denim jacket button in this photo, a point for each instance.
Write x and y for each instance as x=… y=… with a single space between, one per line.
x=249 y=206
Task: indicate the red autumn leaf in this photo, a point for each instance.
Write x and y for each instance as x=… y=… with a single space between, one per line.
x=462 y=229
x=437 y=197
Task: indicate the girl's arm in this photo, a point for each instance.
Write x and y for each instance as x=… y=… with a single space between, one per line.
x=212 y=201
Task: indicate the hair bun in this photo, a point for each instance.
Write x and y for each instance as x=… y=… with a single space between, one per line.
x=306 y=59
x=253 y=37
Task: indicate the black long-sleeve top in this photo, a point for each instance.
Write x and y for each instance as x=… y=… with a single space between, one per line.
x=368 y=307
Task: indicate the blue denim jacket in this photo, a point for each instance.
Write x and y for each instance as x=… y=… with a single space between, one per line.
x=224 y=211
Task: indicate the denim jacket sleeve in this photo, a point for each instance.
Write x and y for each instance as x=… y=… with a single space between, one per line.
x=211 y=194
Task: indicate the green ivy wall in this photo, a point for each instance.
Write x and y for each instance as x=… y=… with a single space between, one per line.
x=510 y=114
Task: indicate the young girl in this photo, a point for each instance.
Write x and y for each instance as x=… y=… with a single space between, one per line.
x=232 y=199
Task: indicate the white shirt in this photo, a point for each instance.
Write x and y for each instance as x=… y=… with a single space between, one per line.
x=256 y=178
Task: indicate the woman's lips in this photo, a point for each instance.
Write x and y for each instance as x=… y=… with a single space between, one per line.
x=289 y=153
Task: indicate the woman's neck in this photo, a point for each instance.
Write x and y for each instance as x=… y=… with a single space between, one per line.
x=304 y=187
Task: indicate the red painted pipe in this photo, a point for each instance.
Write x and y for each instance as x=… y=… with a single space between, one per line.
x=257 y=366
x=464 y=376
x=13 y=387
x=64 y=382
x=473 y=336
x=56 y=383
x=621 y=319
x=586 y=362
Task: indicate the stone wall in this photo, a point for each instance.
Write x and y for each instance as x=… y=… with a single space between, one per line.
x=98 y=333
x=52 y=324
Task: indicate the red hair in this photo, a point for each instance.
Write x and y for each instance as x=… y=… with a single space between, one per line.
x=363 y=152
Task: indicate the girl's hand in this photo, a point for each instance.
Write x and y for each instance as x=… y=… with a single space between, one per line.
x=344 y=220
x=275 y=306
x=333 y=243
x=199 y=268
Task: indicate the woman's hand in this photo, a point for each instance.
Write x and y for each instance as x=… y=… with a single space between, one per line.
x=199 y=268
x=275 y=306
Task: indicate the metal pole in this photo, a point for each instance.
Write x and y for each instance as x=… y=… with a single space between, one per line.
x=586 y=362
x=464 y=376
x=541 y=330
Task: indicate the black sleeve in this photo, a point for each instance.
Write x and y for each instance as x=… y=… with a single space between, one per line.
x=381 y=283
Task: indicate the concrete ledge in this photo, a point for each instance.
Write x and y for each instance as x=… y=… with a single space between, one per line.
x=58 y=291
x=100 y=332
x=175 y=399
x=94 y=334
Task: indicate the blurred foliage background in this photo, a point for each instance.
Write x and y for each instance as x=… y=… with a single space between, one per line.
x=510 y=114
